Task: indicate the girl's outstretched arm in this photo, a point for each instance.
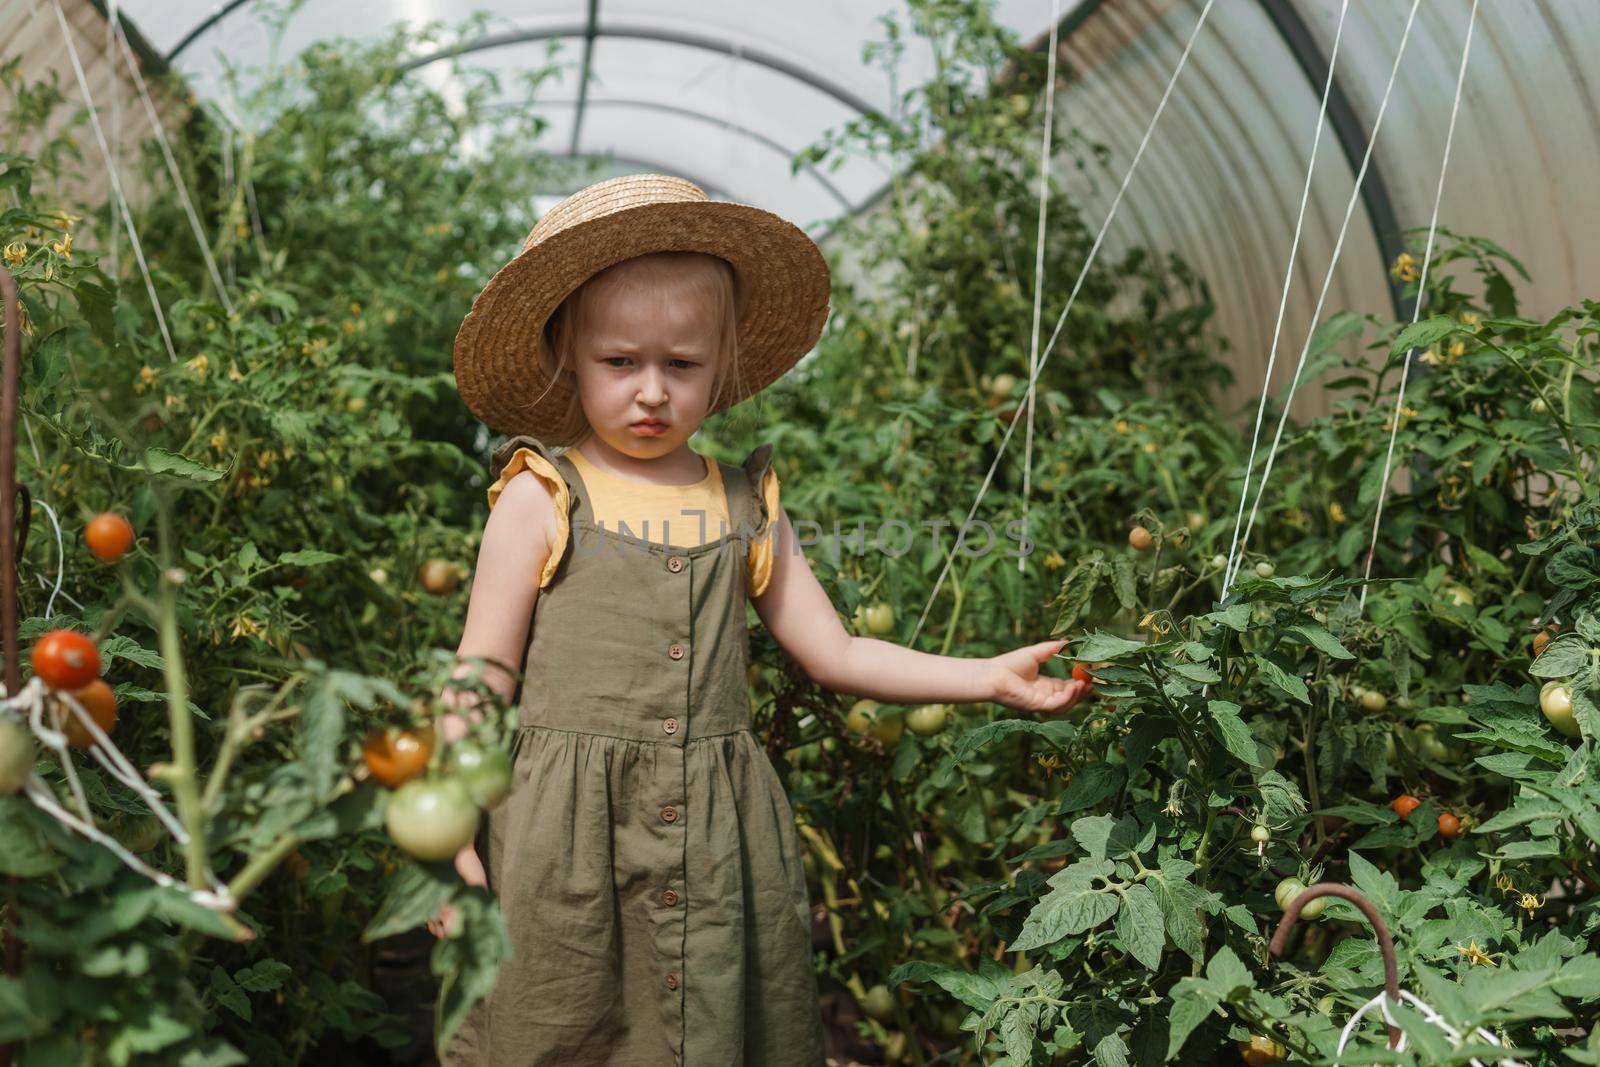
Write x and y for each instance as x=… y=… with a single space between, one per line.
x=796 y=609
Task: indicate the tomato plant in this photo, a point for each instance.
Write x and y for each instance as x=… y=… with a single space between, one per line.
x=16 y=754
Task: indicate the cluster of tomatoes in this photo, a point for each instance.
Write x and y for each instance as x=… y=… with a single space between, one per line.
x=1450 y=824
x=432 y=816
x=68 y=663
x=868 y=718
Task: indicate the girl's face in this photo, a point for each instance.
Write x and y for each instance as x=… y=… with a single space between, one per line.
x=646 y=356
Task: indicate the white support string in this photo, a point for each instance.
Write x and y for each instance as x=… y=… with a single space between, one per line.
x=1416 y=309
x=173 y=171
x=1288 y=282
x=1046 y=143
x=1429 y=1015
x=116 y=182
x=1316 y=314
x=30 y=704
x=1072 y=299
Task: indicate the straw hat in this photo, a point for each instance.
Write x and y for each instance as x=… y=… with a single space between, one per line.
x=502 y=358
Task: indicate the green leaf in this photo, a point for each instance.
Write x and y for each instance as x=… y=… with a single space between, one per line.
x=1562 y=658
x=1236 y=736
x=1140 y=925
x=415 y=895
x=1318 y=637
x=1091 y=785
x=1424 y=333
x=1275 y=676
x=1072 y=906
x=1103 y=646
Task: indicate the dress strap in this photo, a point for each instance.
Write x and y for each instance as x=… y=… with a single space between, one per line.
x=757 y=510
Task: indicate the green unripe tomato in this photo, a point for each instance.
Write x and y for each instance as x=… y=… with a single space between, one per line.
x=925 y=720
x=1265 y=569
x=1428 y=740
x=1289 y=889
x=877 y=619
x=868 y=718
x=16 y=755
x=1219 y=561
x=1457 y=594
x=431 y=818
x=1373 y=701
x=486 y=772
x=1538 y=406
x=1555 y=700
x=879 y=1003
x=1260 y=834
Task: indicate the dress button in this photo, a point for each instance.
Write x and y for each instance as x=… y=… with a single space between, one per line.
x=674 y=564
x=670 y=725
x=672 y=981
x=669 y=898
x=669 y=814
x=675 y=650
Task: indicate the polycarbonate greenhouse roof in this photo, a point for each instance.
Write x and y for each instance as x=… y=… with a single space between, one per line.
x=724 y=93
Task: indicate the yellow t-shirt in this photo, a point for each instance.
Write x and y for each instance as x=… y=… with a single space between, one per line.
x=685 y=515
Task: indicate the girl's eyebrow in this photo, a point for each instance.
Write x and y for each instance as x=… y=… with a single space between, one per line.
x=633 y=350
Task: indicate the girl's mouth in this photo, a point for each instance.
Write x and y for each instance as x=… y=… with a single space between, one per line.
x=649 y=427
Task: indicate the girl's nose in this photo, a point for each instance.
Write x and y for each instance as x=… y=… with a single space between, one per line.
x=652 y=387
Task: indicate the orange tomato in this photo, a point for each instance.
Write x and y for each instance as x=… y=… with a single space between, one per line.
x=396 y=756
x=1140 y=539
x=1543 y=638
x=1080 y=673
x=109 y=536
x=1405 y=804
x=101 y=704
x=1449 y=826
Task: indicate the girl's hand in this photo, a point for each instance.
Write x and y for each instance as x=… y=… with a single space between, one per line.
x=1015 y=680
x=469 y=865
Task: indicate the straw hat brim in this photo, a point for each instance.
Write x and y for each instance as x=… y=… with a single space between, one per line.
x=782 y=272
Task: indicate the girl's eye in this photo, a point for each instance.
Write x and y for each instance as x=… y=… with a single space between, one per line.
x=687 y=363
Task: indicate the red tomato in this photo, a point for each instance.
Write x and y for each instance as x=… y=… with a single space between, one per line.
x=1405 y=804
x=1449 y=826
x=1080 y=673
x=109 y=536
x=66 y=659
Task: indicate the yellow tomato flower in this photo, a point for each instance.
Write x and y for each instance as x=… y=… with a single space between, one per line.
x=63 y=247
x=1474 y=954
x=15 y=253
x=199 y=364
x=1336 y=512
x=1405 y=267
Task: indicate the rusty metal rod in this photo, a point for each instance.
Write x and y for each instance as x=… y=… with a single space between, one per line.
x=1391 y=969
x=9 y=549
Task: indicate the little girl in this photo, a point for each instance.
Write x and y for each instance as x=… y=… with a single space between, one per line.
x=646 y=861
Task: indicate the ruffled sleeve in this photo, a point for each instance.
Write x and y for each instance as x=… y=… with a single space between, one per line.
x=524 y=453
x=764 y=487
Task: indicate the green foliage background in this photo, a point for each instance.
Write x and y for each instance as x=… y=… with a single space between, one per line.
x=1081 y=888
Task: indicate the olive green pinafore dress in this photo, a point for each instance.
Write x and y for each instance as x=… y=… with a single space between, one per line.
x=646 y=861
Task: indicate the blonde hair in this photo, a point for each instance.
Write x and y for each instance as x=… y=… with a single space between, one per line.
x=700 y=274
